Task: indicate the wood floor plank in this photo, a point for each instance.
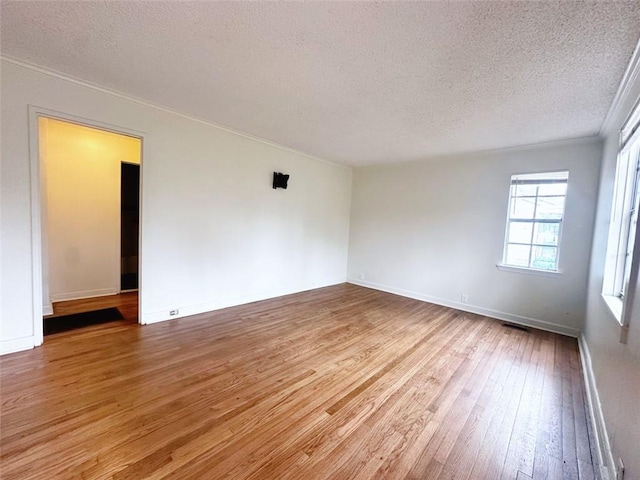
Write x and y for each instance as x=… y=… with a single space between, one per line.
x=341 y=382
x=520 y=454
x=487 y=462
x=461 y=459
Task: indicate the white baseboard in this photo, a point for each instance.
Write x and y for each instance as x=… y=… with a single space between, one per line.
x=17 y=345
x=47 y=309
x=605 y=455
x=188 y=310
x=100 y=292
x=507 y=317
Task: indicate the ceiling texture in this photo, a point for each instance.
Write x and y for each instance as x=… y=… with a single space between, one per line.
x=355 y=83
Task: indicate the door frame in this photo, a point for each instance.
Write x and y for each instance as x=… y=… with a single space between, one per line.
x=37 y=204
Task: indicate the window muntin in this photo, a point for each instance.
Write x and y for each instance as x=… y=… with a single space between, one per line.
x=534 y=222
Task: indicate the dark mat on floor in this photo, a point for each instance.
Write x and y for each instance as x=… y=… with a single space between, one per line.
x=65 y=323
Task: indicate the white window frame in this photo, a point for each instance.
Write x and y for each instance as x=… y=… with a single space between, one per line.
x=621 y=263
x=561 y=176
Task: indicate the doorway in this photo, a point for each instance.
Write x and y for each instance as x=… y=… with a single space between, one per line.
x=90 y=221
x=129 y=225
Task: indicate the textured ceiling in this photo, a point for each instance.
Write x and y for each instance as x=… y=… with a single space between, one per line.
x=352 y=82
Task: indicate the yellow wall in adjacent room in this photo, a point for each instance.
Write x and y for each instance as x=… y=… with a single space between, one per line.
x=81 y=208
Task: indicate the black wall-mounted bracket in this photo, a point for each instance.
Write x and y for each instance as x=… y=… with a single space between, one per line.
x=280 y=180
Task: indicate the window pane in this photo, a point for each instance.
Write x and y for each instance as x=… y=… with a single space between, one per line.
x=631 y=240
x=553 y=189
x=536 y=208
x=550 y=207
x=546 y=233
x=520 y=232
x=543 y=258
x=526 y=190
x=523 y=207
x=518 y=255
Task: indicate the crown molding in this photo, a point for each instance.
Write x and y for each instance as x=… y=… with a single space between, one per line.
x=564 y=142
x=631 y=76
x=131 y=98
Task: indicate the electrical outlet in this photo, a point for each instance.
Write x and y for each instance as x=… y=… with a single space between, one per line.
x=464 y=298
x=174 y=312
x=361 y=276
x=619 y=470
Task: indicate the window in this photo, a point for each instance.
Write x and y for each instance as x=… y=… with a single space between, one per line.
x=534 y=222
x=624 y=216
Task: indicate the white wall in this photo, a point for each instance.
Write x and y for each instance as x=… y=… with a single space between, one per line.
x=81 y=197
x=213 y=231
x=615 y=366
x=435 y=230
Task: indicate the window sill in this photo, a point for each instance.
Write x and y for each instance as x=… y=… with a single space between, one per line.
x=528 y=271
x=615 y=306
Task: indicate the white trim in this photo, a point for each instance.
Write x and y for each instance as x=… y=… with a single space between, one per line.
x=86 y=122
x=36 y=218
x=631 y=125
x=630 y=77
x=616 y=277
x=118 y=275
x=562 y=174
x=99 y=292
x=630 y=288
x=47 y=309
x=188 y=310
x=62 y=76
x=125 y=96
x=141 y=291
x=505 y=316
x=565 y=142
x=528 y=271
x=17 y=345
x=614 y=304
x=603 y=446
x=36 y=232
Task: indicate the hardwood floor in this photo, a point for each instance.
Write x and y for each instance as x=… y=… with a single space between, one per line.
x=336 y=383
